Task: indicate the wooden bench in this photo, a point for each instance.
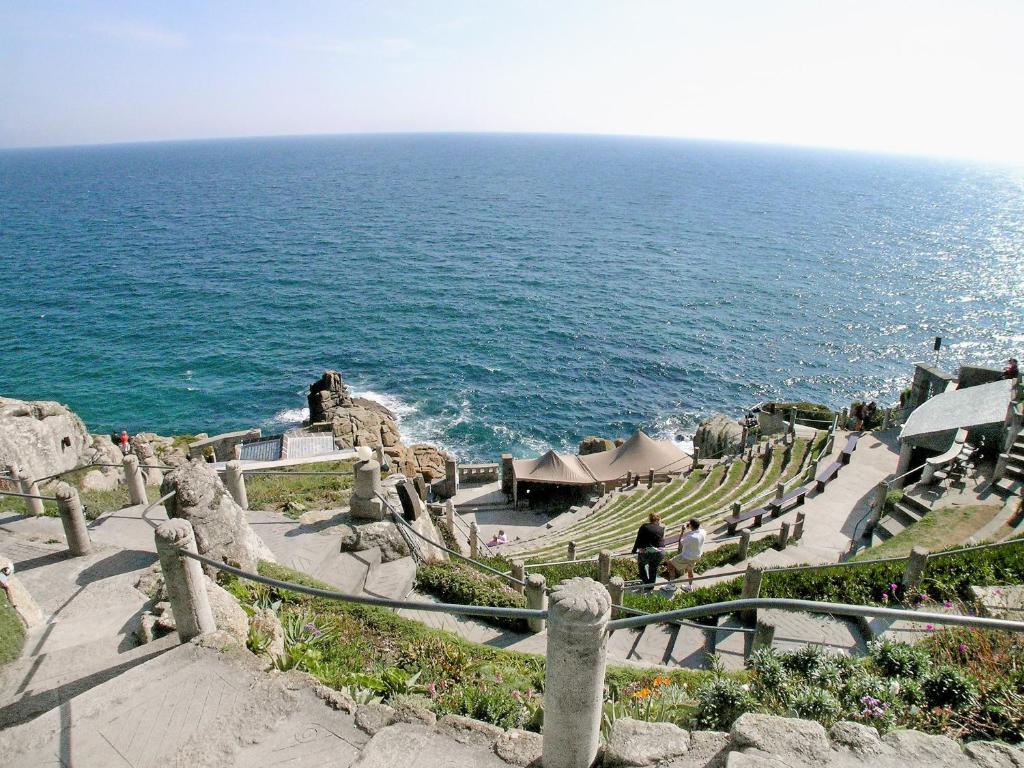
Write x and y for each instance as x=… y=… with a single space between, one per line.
x=794 y=498
x=826 y=475
x=757 y=515
x=849 y=448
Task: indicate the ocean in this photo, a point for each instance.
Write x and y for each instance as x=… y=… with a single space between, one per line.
x=501 y=293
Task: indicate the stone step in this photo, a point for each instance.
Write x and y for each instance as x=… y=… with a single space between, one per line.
x=888 y=527
x=904 y=514
x=914 y=505
x=654 y=644
x=1015 y=459
x=189 y=706
x=36 y=684
x=1014 y=473
x=347 y=570
x=795 y=630
x=393 y=580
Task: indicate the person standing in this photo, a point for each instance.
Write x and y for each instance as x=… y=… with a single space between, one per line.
x=691 y=547
x=649 y=548
x=124 y=443
x=1011 y=371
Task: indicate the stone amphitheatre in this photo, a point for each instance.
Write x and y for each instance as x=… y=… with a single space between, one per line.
x=333 y=596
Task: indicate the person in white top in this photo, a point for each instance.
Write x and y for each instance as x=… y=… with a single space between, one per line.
x=690 y=548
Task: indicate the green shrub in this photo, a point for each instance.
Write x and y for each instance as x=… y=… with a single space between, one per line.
x=719 y=702
x=455 y=582
x=892 y=498
x=948 y=686
x=817 y=704
x=896 y=659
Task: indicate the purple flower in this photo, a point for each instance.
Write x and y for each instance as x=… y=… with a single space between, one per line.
x=893 y=587
x=947 y=604
x=929 y=627
x=963 y=648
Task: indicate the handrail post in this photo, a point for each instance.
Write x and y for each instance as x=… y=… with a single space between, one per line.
x=798 y=528
x=780 y=490
x=604 y=566
x=30 y=488
x=474 y=540
x=235 y=482
x=449 y=516
x=616 y=589
x=710 y=644
x=72 y=517
x=764 y=634
x=574 y=678
x=744 y=545
x=570 y=550
x=536 y=599
x=751 y=589
x=650 y=478
x=184 y=579
x=134 y=479
x=519 y=574
x=783 y=536
x=916 y=563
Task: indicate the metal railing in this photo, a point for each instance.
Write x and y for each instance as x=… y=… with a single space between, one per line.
x=27 y=495
x=811 y=606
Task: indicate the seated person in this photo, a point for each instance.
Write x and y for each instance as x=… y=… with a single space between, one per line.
x=501 y=538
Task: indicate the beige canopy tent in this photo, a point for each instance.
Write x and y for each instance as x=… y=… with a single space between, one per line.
x=553 y=468
x=638 y=455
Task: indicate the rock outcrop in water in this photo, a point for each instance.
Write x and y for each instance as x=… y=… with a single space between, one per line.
x=717 y=436
x=593 y=444
x=356 y=421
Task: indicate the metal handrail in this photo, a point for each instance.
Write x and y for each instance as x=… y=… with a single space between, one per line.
x=892 y=480
x=637 y=585
x=464 y=610
x=27 y=495
x=811 y=606
x=683 y=623
x=153 y=506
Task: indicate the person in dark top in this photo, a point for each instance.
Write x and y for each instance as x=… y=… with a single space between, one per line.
x=1011 y=371
x=650 y=540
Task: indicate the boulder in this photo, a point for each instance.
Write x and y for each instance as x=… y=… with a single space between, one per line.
x=42 y=437
x=95 y=480
x=228 y=615
x=520 y=748
x=326 y=396
x=592 y=444
x=916 y=748
x=466 y=730
x=427 y=460
x=994 y=754
x=791 y=741
x=856 y=737
x=637 y=743
x=222 y=531
x=266 y=621
x=27 y=608
x=357 y=536
x=717 y=436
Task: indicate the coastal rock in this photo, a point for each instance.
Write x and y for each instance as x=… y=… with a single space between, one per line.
x=23 y=601
x=228 y=615
x=789 y=740
x=265 y=621
x=42 y=437
x=519 y=748
x=327 y=396
x=717 y=436
x=95 y=480
x=427 y=460
x=222 y=531
x=383 y=534
x=637 y=743
x=593 y=444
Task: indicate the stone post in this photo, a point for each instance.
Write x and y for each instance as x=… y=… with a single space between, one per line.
x=792 y=421
x=650 y=477
x=743 y=438
x=420 y=483
x=736 y=508
x=696 y=455
x=28 y=486
x=751 y=588
x=616 y=589
x=814 y=468
x=764 y=634
x=519 y=572
x=780 y=490
x=72 y=517
x=451 y=476
x=710 y=645
x=886 y=418
x=449 y=516
x=366 y=489
x=536 y=599
x=629 y=478
x=783 y=536
x=604 y=566
x=574 y=679
x=744 y=546
x=474 y=540
x=906 y=454
x=916 y=564
x=133 y=477
x=570 y=551
x=235 y=481
x=184 y=579
x=508 y=478
x=798 y=529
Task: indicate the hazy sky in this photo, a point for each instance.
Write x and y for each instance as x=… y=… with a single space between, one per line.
x=927 y=77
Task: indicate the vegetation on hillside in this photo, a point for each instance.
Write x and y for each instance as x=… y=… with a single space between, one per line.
x=295 y=495
x=12 y=632
x=938 y=529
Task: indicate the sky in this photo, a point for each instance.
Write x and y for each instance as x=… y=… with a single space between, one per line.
x=936 y=78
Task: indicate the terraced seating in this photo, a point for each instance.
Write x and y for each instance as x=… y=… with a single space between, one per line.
x=700 y=496
x=827 y=475
x=849 y=448
x=792 y=499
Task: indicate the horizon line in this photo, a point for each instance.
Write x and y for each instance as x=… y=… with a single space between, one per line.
x=1011 y=163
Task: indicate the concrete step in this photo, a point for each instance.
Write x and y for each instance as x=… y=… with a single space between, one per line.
x=393 y=580
x=1007 y=487
x=904 y=515
x=36 y=684
x=888 y=527
x=347 y=570
x=189 y=706
x=1014 y=473
x=1015 y=459
x=795 y=630
x=914 y=505
x=654 y=644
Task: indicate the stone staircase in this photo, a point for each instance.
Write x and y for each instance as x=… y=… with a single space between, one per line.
x=1012 y=482
x=907 y=511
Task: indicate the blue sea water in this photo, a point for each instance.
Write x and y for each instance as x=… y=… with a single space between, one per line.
x=502 y=292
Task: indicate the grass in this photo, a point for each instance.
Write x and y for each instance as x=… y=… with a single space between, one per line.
x=365 y=644
x=96 y=503
x=294 y=495
x=12 y=632
x=939 y=529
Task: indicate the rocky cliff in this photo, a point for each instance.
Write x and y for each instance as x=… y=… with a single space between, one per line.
x=717 y=436
x=43 y=437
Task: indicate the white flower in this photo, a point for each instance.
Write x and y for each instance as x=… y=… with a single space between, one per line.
x=894 y=688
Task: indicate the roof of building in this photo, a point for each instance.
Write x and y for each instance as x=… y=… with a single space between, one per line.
x=970 y=408
x=638 y=455
x=564 y=469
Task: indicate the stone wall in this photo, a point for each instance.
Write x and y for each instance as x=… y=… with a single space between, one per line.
x=223 y=445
